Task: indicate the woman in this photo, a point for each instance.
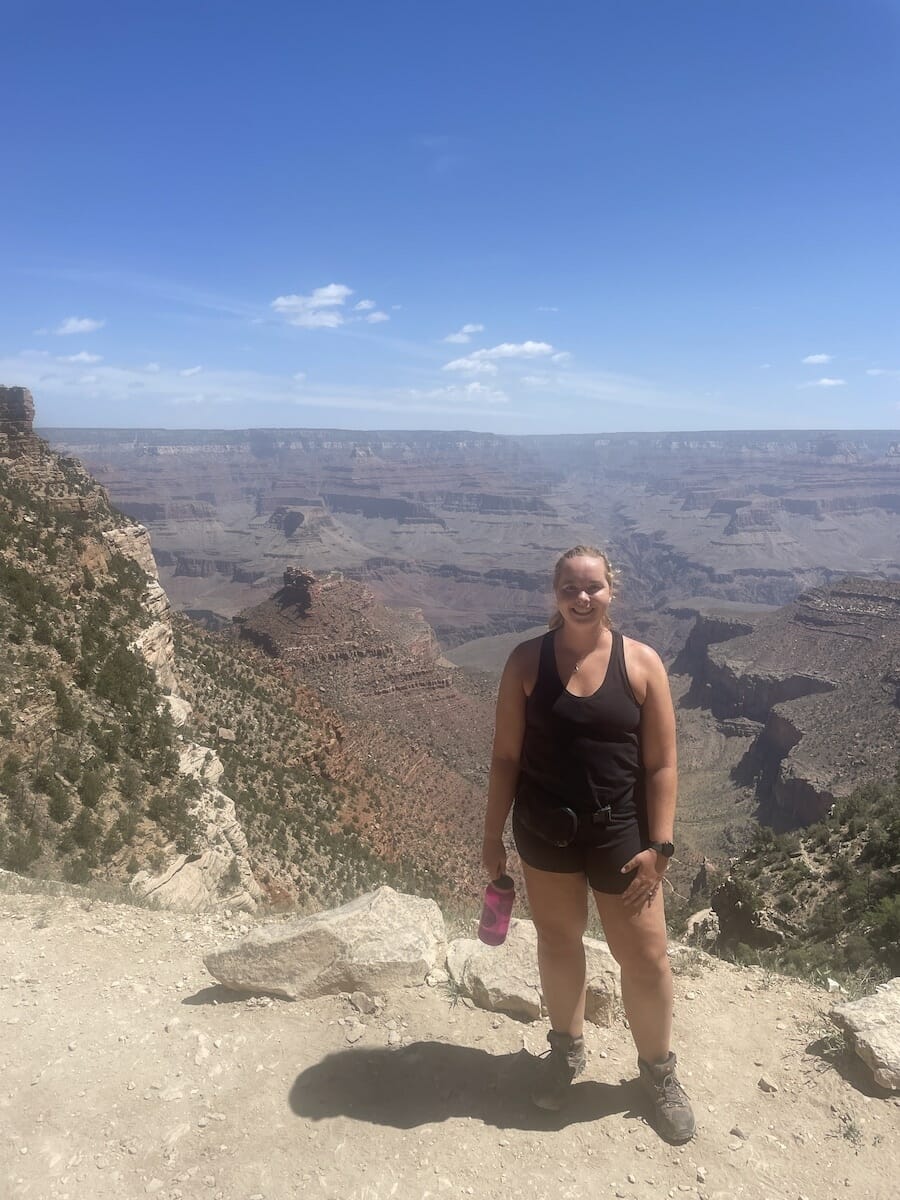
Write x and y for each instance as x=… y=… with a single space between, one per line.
x=585 y=745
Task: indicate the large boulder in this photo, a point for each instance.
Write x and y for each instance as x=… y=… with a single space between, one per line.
x=604 y=991
x=378 y=941
x=505 y=978
x=873 y=1027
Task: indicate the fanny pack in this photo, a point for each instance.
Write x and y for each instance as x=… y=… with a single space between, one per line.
x=558 y=824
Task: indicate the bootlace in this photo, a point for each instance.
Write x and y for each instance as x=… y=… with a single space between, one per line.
x=671 y=1093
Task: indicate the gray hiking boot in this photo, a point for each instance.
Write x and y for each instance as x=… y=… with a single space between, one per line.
x=671 y=1114
x=562 y=1063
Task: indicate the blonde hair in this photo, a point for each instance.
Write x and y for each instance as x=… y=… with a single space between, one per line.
x=582 y=552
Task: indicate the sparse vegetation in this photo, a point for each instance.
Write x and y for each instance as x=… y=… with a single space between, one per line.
x=834 y=888
x=89 y=780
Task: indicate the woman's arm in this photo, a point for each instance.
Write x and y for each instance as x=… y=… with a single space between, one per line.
x=658 y=751
x=650 y=684
x=509 y=729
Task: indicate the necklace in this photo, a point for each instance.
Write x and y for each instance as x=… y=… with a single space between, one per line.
x=579 y=663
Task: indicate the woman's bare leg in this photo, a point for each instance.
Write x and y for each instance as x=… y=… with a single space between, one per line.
x=558 y=904
x=637 y=940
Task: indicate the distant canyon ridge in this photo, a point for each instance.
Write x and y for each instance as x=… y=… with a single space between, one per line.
x=466 y=527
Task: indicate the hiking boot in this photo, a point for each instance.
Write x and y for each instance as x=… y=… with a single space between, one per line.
x=559 y=1065
x=671 y=1114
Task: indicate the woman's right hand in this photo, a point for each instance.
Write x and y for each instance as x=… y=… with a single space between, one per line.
x=493 y=857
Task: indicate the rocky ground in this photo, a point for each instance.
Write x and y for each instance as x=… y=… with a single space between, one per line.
x=127 y=1072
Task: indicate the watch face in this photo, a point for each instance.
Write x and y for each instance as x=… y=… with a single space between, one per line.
x=666 y=849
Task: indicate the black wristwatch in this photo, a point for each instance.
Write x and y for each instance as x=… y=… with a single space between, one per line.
x=666 y=849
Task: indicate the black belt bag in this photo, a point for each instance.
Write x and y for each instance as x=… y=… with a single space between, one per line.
x=559 y=825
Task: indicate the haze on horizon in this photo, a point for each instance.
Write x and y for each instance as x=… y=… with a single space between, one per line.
x=631 y=217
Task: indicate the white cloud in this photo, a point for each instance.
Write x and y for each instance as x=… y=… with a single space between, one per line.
x=88 y=379
x=78 y=325
x=765 y=366
x=299 y=377
x=471 y=365
x=515 y=350
x=375 y=318
x=547 y=308
x=189 y=371
x=151 y=368
x=471 y=393
x=826 y=383
x=465 y=334
x=482 y=361
x=817 y=359
x=81 y=357
x=318 y=310
x=364 y=306
x=536 y=380
x=317 y=319
x=893 y=374
x=562 y=358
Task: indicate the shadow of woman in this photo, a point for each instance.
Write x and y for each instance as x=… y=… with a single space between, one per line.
x=428 y=1082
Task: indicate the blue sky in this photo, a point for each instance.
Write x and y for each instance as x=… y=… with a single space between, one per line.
x=516 y=217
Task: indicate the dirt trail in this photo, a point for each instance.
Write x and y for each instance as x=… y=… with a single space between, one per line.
x=127 y=1073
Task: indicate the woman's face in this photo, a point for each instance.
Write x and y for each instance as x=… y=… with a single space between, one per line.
x=582 y=592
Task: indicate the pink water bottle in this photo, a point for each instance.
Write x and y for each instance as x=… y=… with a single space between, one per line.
x=498 y=901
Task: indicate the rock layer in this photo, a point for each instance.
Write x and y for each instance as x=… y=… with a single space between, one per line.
x=820 y=678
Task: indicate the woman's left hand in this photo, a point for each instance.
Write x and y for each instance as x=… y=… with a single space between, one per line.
x=643 y=888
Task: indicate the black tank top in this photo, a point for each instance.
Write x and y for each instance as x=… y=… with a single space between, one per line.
x=581 y=751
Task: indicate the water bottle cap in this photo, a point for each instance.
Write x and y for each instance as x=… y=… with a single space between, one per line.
x=504 y=883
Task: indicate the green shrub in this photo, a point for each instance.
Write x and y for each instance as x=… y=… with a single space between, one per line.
x=59 y=808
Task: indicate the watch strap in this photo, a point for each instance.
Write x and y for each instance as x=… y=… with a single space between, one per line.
x=666 y=849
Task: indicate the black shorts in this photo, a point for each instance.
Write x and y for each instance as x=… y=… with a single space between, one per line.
x=599 y=854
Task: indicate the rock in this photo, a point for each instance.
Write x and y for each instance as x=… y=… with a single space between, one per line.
x=219 y=873
x=179 y=708
x=505 y=978
x=156 y=642
x=381 y=940
x=873 y=1027
x=702 y=929
x=16 y=412
x=362 y=1002
x=603 y=989
x=499 y=978
x=766 y=1085
x=739 y=921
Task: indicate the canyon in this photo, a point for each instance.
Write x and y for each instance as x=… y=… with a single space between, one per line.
x=784 y=669
x=424 y=550
x=466 y=526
